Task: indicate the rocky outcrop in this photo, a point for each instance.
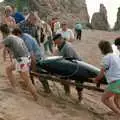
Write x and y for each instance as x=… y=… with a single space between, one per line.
x=70 y=10
x=117 y=24
x=99 y=19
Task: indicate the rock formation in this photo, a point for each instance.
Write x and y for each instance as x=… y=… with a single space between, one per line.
x=117 y=24
x=99 y=19
x=70 y=10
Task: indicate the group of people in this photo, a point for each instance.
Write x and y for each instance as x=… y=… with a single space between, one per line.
x=23 y=38
x=42 y=31
x=26 y=38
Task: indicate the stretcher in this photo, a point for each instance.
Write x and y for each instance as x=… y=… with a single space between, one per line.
x=68 y=70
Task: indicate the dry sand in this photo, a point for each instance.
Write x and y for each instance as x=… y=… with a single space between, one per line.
x=21 y=106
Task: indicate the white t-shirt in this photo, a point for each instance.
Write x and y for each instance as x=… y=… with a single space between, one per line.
x=111 y=64
x=68 y=34
x=56 y=26
x=115 y=50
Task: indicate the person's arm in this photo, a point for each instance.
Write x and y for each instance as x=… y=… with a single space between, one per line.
x=5 y=52
x=100 y=75
x=55 y=52
x=1 y=45
x=71 y=36
x=33 y=62
x=4 y=44
x=11 y=22
x=106 y=63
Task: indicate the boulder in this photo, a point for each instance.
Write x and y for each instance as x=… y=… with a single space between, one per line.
x=117 y=23
x=99 y=19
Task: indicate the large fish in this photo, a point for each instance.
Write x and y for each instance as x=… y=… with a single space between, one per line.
x=68 y=68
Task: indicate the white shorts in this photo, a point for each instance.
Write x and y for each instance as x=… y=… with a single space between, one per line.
x=22 y=64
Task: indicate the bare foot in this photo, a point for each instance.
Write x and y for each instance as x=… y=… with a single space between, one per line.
x=35 y=97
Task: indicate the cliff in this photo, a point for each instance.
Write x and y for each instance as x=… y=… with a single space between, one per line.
x=70 y=10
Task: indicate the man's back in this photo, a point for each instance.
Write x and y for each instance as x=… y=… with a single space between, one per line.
x=67 y=51
x=17 y=46
x=78 y=26
x=32 y=45
x=18 y=17
x=30 y=29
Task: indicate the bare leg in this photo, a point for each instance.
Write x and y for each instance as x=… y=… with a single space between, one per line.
x=28 y=82
x=106 y=100
x=9 y=72
x=80 y=95
x=79 y=89
x=32 y=79
x=116 y=101
x=45 y=85
x=66 y=88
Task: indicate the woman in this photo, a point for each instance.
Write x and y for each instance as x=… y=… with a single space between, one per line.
x=8 y=19
x=66 y=33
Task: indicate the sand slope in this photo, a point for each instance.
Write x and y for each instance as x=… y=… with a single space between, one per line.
x=21 y=106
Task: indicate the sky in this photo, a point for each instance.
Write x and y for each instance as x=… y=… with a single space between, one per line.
x=111 y=6
x=1 y=0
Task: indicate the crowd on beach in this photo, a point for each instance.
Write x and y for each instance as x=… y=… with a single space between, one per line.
x=27 y=39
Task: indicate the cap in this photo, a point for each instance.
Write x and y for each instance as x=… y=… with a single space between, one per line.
x=57 y=36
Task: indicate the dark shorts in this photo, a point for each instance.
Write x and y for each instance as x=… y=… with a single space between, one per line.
x=78 y=31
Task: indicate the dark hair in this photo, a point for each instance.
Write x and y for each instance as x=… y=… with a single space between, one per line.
x=57 y=36
x=105 y=47
x=17 y=31
x=117 y=41
x=4 y=29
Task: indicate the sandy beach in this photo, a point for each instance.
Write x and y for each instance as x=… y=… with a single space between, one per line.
x=57 y=106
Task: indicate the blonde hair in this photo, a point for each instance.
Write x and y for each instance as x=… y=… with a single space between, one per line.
x=8 y=8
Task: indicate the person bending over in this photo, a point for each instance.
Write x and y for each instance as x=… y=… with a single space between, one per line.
x=21 y=59
x=36 y=54
x=66 y=50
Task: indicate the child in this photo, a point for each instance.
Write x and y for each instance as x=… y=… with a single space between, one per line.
x=111 y=69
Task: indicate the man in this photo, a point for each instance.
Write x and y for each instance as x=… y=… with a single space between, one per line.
x=48 y=43
x=66 y=50
x=36 y=53
x=66 y=33
x=55 y=25
x=21 y=59
x=30 y=26
x=17 y=15
x=78 y=30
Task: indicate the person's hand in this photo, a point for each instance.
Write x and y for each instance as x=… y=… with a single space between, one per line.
x=55 y=52
x=94 y=80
